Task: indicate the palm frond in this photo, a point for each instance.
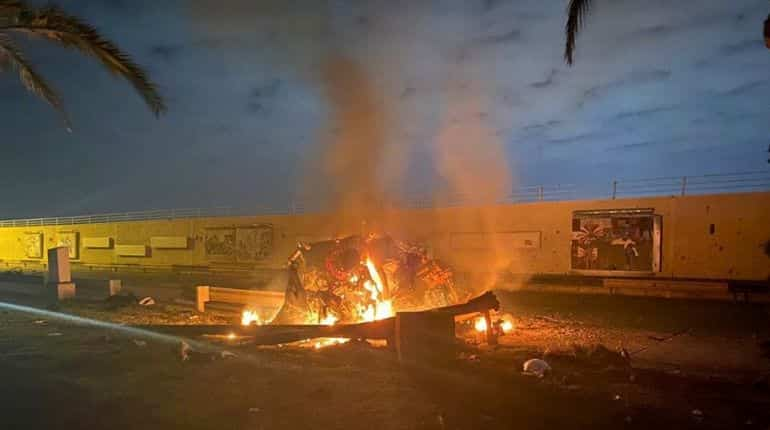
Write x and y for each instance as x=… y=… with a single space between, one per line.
x=11 y=55
x=70 y=32
x=576 y=13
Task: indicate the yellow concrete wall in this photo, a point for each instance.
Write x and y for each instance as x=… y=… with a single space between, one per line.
x=734 y=251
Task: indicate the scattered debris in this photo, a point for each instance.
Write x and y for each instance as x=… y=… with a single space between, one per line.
x=185 y=351
x=536 y=367
x=120 y=300
x=54 y=333
x=617 y=397
x=697 y=415
x=40 y=322
x=600 y=356
x=147 y=301
x=660 y=340
x=762 y=382
x=227 y=354
x=764 y=347
x=140 y=343
x=254 y=410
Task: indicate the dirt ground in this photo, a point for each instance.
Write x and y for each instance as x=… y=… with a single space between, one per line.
x=58 y=374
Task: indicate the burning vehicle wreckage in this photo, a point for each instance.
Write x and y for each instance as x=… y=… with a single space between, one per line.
x=374 y=288
x=354 y=280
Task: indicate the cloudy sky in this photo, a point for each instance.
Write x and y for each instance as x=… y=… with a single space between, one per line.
x=659 y=88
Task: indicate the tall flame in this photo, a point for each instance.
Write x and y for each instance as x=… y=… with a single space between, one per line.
x=381 y=308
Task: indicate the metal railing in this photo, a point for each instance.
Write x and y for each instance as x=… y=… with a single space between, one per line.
x=666 y=186
x=691 y=185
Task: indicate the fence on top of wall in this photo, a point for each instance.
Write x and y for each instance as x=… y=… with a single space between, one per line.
x=648 y=187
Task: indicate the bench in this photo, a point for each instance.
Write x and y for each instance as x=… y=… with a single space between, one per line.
x=263 y=302
x=746 y=288
x=668 y=288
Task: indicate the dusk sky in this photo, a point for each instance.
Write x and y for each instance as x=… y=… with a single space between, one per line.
x=659 y=88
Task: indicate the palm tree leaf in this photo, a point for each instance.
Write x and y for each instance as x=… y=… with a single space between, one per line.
x=70 y=32
x=11 y=55
x=576 y=13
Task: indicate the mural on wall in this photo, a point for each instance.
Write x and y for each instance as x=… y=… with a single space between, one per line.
x=220 y=243
x=246 y=244
x=254 y=243
x=70 y=240
x=33 y=245
x=615 y=241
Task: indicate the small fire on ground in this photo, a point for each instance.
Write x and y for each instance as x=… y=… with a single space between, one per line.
x=250 y=317
x=505 y=325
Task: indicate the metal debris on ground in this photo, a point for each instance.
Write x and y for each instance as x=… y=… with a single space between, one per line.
x=140 y=343
x=536 y=367
x=120 y=300
x=41 y=322
x=697 y=415
x=147 y=301
x=227 y=354
x=185 y=351
x=254 y=410
x=55 y=333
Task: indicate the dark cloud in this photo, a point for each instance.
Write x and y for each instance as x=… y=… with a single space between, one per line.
x=578 y=138
x=166 y=52
x=541 y=127
x=753 y=44
x=636 y=114
x=266 y=90
x=501 y=38
x=743 y=89
x=547 y=82
x=249 y=106
x=632 y=79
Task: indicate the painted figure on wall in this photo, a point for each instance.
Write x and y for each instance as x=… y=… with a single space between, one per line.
x=617 y=242
x=70 y=240
x=246 y=244
x=33 y=245
x=587 y=238
x=254 y=243
x=220 y=243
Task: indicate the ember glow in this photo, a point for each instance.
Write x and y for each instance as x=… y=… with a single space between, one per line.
x=381 y=310
x=480 y=324
x=328 y=341
x=249 y=317
x=507 y=326
x=330 y=319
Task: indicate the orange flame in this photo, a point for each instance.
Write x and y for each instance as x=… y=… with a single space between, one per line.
x=481 y=325
x=381 y=308
x=330 y=319
x=249 y=317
